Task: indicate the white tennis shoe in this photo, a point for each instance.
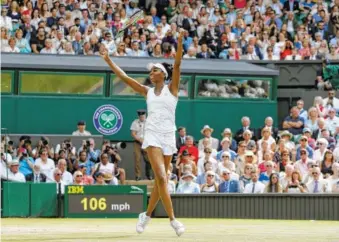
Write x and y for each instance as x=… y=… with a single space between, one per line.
x=142 y=222
x=178 y=227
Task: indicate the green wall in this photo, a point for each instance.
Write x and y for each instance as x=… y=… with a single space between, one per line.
x=59 y=114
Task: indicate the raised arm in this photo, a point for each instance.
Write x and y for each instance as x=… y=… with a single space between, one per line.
x=136 y=86
x=174 y=85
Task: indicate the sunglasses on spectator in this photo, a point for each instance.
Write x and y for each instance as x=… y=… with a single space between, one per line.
x=268 y=166
x=208 y=152
x=286 y=154
x=243 y=146
x=303 y=140
x=210 y=176
x=302 y=153
x=224 y=156
x=314 y=173
x=314 y=166
x=79 y=175
x=269 y=50
x=225 y=173
x=58 y=174
x=248 y=168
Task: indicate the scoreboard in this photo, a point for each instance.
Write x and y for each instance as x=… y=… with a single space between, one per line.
x=105 y=201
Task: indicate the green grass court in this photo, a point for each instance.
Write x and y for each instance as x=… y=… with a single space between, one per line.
x=85 y=230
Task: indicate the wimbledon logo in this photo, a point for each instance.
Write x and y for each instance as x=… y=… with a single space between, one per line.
x=107 y=119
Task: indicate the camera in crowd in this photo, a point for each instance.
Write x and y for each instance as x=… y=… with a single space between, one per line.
x=44 y=141
x=115 y=147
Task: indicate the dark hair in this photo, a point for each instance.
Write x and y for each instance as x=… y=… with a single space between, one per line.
x=169 y=69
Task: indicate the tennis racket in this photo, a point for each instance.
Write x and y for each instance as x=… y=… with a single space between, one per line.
x=137 y=16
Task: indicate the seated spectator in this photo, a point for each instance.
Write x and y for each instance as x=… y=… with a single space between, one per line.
x=294 y=55
x=240 y=159
x=228 y=185
x=225 y=145
x=267 y=137
x=303 y=144
x=265 y=176
x=245 y=122
x=302 y=165
x=295 y=185
x=312 y=119
x=254 y=186
x=99 y=179
x=308 y=133
x=77 y=178
x=11 y=48
x=228 y=133
x=106 y=168
x=332 y=97
x=81 y=129
x=170 y=183
x=269 y=125
x=207 y=132
x=87 y=179
x=319 y=154
x=273 y=185
x=263 y=158
x=46 y=164
x=48 y=49
x=12 y=173
x=207 y=157
x=246 y=177
x=36 y=176
x=192 y=150
x=188 y=186
x=294 y=123
x=334 y=179
x=201 y=179
x=332 y=121
x=226 y=162
x=287 y=137
x=26 y=163
x=325 y=134
x=186 y=159
x=191 y=53
x=83 y=161
x=318 y=185
x=248 y=141
x=286 y=176
x=206 y=143
x=210 y=186
x=326 y=164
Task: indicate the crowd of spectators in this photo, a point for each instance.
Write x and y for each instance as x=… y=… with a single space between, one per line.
x=250 y=30
x=301 y=157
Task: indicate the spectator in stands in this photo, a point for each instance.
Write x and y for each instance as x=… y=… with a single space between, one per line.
x=269 y=125
x=325 y=134
x=265 y=176
x=66 y=176
x=245 y=122
x=303 y=144
x=225 y=145
x=332 y=98
x=206 y=143
x=210 y=186
x=12 y=173
x=248 y=141
x=294 y=123
x=302 y=164
x=192 y=150
x=185 y=159
x=312 y=120
x=266 y=137
x=81 y=129
x=228 y=133
x=326 y=164
x=36 y=176
x=107 y=168
x=25 y=163
x=11 y=48
x=228 y=185
x=99 y=179
x=246 y=177
x=82 y=160
x=334 y=179
x=295 y=185
x=318 y=185
x=225 y=162
x=46 y=164
x=188 y=186
x=207 y=132
x=77 y=178
x=254 y=186
x=57 y=179
x=320 y=153
x=273 y=185
x=332 y=121
x=87 y=179
x=302 y=111
x=207 y=157
x=286 y=176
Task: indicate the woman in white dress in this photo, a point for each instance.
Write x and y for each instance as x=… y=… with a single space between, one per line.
x=159 y=140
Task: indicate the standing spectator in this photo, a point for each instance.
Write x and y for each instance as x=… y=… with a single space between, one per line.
x=228 y=185
x=273 y=185
x=188 y=186
x=318 y=185
x=81 y=129
x=137 y=132
x=254 y=186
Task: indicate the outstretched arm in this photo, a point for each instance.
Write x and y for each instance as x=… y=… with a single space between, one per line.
x=136 y=86
x=174 y=85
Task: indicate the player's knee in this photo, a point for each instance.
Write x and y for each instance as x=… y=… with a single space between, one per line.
x=162 y=180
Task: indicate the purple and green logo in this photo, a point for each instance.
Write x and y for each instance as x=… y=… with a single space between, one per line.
x=107 y=119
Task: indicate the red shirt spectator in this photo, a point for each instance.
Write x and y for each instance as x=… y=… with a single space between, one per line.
x=192 y=150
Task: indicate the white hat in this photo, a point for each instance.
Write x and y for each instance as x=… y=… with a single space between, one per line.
x=206 y=127
x=188 y=174
x=249 y=153
x=13 y=163
x=225 y=139
x=226 y=153
x=150 y=66
x=226 y=130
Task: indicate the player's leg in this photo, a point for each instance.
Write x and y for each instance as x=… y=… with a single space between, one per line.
x=155 y=197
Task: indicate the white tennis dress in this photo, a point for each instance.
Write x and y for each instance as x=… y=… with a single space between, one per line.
x=160 y=123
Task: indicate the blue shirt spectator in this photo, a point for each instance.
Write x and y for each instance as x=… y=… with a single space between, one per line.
x=24 y=166
x=294 y=123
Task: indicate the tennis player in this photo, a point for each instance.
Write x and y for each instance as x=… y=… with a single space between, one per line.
x=159 y=139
